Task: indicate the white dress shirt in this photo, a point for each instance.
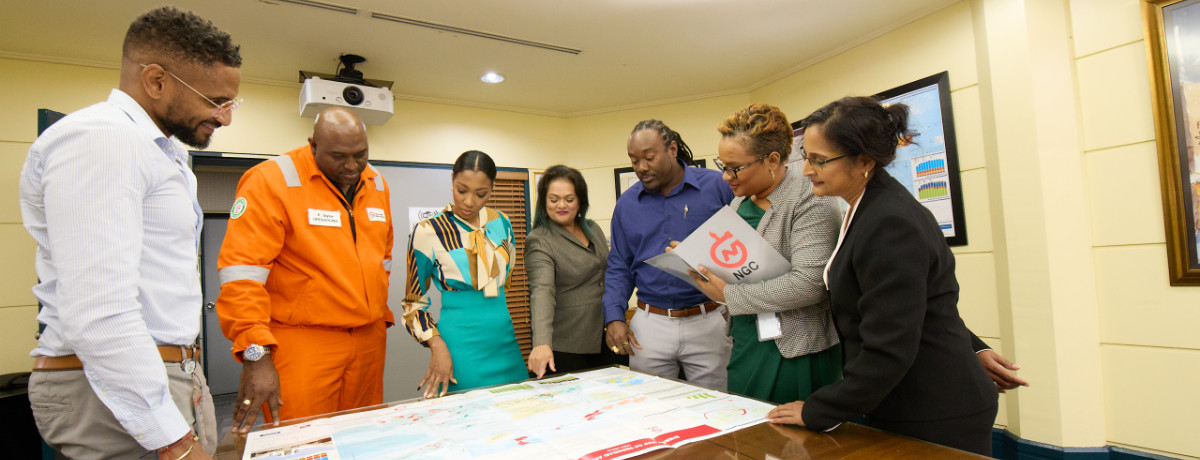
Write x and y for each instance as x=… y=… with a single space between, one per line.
x=112 y=205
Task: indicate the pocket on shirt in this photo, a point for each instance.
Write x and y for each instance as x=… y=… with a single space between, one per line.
x=298 y=313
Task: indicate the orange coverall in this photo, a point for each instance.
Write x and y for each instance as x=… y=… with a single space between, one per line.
x=302 y=274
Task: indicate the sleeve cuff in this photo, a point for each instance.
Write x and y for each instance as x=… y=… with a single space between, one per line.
x=260 y=335
x=158 y=427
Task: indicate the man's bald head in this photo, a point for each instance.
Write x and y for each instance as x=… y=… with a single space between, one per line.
x=339 y=145
x=338 y=119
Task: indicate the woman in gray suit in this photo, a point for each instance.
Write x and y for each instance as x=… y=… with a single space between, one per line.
x=753 y=153
x=565 y=257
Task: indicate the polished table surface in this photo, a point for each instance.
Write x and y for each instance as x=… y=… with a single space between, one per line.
x=764 y=441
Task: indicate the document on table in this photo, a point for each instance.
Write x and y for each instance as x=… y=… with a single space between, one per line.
x=606 y=414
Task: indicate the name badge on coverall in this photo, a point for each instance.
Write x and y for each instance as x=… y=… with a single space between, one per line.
x=323 y=218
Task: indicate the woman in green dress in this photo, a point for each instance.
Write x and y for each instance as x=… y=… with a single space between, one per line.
x=467 y=252
x=753 y=152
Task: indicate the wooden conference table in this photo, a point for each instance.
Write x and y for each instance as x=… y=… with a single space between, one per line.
x=763 y=441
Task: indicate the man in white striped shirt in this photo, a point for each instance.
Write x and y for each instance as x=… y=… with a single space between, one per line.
x=109 y=198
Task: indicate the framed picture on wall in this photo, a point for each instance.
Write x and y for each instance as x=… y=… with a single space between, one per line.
x=927 y=157
x=1173 y=51
x=625 y=177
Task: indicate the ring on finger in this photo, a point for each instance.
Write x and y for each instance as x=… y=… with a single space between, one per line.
x=246 y=402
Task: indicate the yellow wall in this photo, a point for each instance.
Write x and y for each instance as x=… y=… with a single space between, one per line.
x=1065 y=271
x=267 y=123
x=1150 y=350
x=1105 y=339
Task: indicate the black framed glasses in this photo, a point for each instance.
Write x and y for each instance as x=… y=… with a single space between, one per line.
x=733 y=172
x=819 y=164
x=222 y=109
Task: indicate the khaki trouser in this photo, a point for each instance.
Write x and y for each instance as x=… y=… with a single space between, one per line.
x=73 y=420
x=697 y=344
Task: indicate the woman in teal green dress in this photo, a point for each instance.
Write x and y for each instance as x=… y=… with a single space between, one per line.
x=467 y=252
x=753 y=153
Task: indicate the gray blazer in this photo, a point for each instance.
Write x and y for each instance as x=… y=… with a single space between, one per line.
x=566 y=283
x=804 y=229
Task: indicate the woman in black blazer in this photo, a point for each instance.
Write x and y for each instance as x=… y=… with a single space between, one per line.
x=909 y=366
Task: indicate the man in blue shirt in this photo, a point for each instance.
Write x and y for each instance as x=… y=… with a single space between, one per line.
x=676 y=326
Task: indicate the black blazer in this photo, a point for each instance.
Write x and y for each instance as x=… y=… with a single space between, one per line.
x=908 y=355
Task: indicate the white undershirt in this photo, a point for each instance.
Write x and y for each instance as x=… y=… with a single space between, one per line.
x=842 y=235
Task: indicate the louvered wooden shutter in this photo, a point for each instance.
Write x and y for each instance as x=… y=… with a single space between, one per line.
x=508 y=196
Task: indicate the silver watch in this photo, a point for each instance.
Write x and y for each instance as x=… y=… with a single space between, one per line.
x=255 y=352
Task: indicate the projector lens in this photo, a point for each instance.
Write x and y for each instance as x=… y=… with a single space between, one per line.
x=352 y=95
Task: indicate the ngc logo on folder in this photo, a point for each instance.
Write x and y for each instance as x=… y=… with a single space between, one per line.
x=726 y=256
x=732 y=258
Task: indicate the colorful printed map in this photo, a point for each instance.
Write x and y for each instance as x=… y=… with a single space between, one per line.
x=608 y=414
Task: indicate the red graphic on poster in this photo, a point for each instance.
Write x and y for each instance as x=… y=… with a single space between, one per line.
x=733 y=257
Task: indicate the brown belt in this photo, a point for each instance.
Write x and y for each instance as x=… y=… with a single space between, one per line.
x=679 y=312
x=169 y=353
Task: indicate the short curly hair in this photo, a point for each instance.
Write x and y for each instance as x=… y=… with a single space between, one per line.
x=766 y=128
x=179 y=36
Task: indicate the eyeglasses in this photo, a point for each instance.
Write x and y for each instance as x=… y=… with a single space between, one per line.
x=733 y=172
x=222 y=109
x=819 y=164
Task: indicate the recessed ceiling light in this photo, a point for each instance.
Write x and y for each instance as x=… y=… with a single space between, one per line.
x=492 y=77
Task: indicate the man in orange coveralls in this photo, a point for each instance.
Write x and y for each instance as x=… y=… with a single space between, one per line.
x=304 y=277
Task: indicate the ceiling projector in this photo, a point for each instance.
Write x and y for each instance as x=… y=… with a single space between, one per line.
x=372 y=103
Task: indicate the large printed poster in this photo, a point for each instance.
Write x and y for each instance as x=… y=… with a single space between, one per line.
x=927 y=158
x=606 y=414
x=920 y=163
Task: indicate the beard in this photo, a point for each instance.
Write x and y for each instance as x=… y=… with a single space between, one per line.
x=180 y=130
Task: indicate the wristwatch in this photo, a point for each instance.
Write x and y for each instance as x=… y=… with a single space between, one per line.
x=255 y=352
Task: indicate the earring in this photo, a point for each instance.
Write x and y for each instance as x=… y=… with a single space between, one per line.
x=865 y=173
x=772 y=174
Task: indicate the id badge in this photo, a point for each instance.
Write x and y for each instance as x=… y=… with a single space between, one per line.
x=769 y=327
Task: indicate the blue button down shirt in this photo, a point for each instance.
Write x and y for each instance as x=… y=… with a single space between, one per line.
x=112 y=205
x=643 y=224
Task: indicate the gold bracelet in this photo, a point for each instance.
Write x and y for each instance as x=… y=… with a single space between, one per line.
x=191 y=435
x=186 y=452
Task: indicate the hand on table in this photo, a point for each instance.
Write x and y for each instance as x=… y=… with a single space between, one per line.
x=540 y=357
x=787 y=413
x=441 y=369
x=259 y=384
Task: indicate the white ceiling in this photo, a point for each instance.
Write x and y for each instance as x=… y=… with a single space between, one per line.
x=634 y=52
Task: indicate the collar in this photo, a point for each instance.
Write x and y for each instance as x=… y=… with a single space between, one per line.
x=786 y=188
x=559 y=229
x=141 y=119
x=485 y=216
x=691 y=177
x=306 y=166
